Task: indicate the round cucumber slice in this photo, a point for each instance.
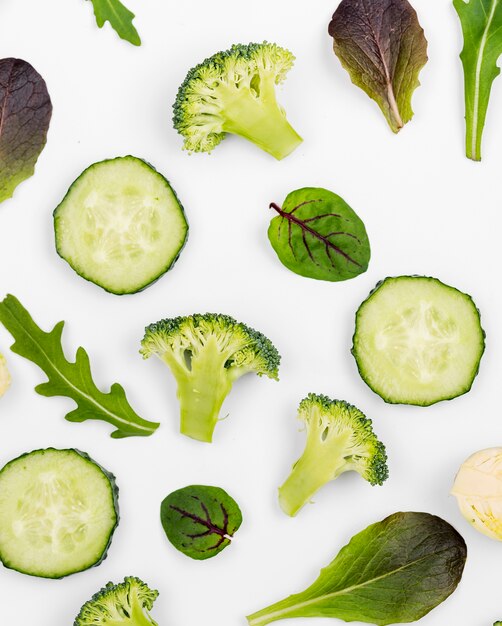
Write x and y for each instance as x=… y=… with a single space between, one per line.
x=58 y=512
x=418 y=341
x=120 y=225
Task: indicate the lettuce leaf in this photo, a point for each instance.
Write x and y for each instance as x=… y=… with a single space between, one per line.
x=482 y=29
x=25 y=114
x=382 y=46
x=120 y=19
x=394 y=571
x=318 y=235
x=200 y=521
x=72 y=380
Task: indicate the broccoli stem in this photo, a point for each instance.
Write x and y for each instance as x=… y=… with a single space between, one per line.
x=200 y=408
x=317 y=466
x=140 y=618
x=202 y=391
x=261 y=120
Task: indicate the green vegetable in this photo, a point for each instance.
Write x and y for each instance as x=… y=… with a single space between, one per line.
x=4 y=376
x=234 y=92
x=125 y=604
x=72 y=380
x=120 y=225
x=497 y=624
x=200 y=521
x=25 y=114
x=120 y=19
x=382 y=46
x=207 y=354
x=339 y=439
x=318 y=235
x=58 y=513
x=418 y=341
x=394 y=571
x=481 y=26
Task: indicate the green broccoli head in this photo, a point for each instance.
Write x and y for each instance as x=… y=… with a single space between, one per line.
x=207 y=353
x=124 y=604
x=234 y=92
x=339 y=439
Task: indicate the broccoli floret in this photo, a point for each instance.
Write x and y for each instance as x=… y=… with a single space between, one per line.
x=234 y=92
x=206 y=354
x=339 y=439
x=124 y=604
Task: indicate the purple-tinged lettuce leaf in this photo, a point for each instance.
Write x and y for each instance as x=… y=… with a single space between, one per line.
x=393 y=572
x=383 y=48
x=481 y=26
x=25 y=114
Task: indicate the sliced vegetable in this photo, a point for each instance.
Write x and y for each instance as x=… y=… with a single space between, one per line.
x=418 y=341
x=125 y=604
x=72 y=380
x=120 y=19
x=120 y=225
x=478 y=490
x=58 y=513
x=394 y=571
x=318 y=235
x=25 y=114
x=200 y=521
x=481 y=26
x=4 y=376
x=383 y=48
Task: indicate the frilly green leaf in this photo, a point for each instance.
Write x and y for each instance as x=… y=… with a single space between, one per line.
x=73 y=380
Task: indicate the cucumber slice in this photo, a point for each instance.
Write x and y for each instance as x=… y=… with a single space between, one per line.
x=58 y=512
x=120 y=225
x=418 y=341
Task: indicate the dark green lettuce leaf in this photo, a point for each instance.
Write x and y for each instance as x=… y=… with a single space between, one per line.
x=25 y=114
x=120 y=19
x=200 y=521
x=71 y=379
x=382 y=46
x=318 y=235
x=393 y=572
x=481 y=26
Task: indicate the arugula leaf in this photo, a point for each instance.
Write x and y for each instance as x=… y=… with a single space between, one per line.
x=382 y=46
x=482 y=29
x=319 y=236
x=73 y=380
x=25 y=114
x=120 y=19
x=200 y=521
x=394 y=571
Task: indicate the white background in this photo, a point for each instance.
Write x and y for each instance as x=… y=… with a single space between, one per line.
x=428 y=210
